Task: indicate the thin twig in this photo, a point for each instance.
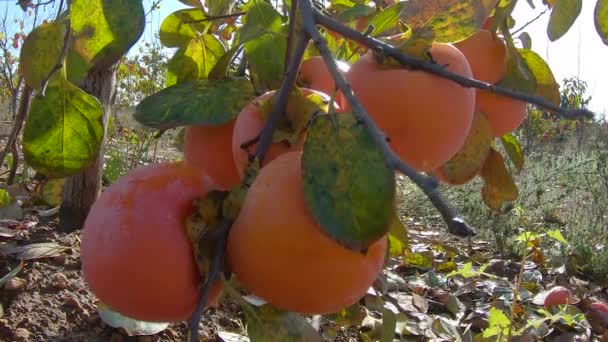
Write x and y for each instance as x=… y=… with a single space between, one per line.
x=59 y=65
x=455 y=224
x=529 y=22
x=439 y=70
x=282 y=96
x=24 y=107
x=59 y=10
x=220 y=235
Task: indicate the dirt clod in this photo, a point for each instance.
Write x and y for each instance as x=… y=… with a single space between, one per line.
x=15 y=285
x=22 y=334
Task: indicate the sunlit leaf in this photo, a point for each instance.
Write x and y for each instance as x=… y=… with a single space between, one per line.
x=499 y=186
x=398 y=238
x=209 y=102
x=600 y=19
x=498 y=322
x=219 y=7
x=348 y=185
x=195 y=60
x=546 y=86
x=261 y=19
x=63 y=130
x=556 y=234
x=40 y=52
x=104 y=30
x=514 y=150
x=5 y=197
x=386 y=19
x=450 y=20
x=563 y=16
x=181 y=26
x=422 y=261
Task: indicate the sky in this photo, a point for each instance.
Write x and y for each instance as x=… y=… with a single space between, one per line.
x=580 y=52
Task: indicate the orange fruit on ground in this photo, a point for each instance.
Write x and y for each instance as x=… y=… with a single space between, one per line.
x=426 y=117
x=278 y=251
x=467 y=163
x=558 y=295
x=136 y=256
x=248 y=126
x=315 y=75
x=487 y=55
x=505 y=114
x=209 y=148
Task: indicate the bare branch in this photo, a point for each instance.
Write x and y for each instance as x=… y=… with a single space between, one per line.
x=282 y=96
x=24 y=107
x=220 y=235
x=292 y=29
x=455 y=224
x=216 y=17
x=439 y=70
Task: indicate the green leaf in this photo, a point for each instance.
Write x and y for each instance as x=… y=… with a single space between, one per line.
x=514 y=150
x=181 y=26
x=261 y=19
x=526 y=40
x=202 y=102
x=556 y=234
x=399 y=243
x=518 y=77
x=497 y=322
x=266 y=56
x=222 y=66
x=389 y=325
x=386 y=19
x=546 y=86
x=195 y=60
x=131 y=326
x=219 y=7
x=348 y=184
x=40 y=52
x=52 y=191
x=63 y=131
x=5 y=197
x=563 y=16
x=450 y=20
x=104 y=30
x=600 y=19
x=499 y=186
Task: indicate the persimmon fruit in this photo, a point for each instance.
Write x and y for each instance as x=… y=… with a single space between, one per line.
x=136 y=256
x=558 y=295
x=426 y=117
x=209 y=148
x=249 y=124
x=278 y=251
x=467 y=163
x=505 y=114
x=487 y=55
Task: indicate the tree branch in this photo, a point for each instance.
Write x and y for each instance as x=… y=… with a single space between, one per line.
x=220 y=235
x=24 y=107
x=292 y=28
x=282 y=96
x=439 y=70
x=455 y=224
x=216 y=17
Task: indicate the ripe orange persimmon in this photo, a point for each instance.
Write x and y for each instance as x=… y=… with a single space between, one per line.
x=505 y=114
x=278 y=251
x=136 y=256
x=426 y=117
x=209 y=148
x=249 y=124
x=487 y=55
x=315 y=75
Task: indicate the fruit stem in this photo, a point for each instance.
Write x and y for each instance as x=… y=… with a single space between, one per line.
x=282 y=96
x=220 y=235
x=437 y=69
x=456 y=225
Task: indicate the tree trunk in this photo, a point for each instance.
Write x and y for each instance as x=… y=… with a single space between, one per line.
x=81 y=191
